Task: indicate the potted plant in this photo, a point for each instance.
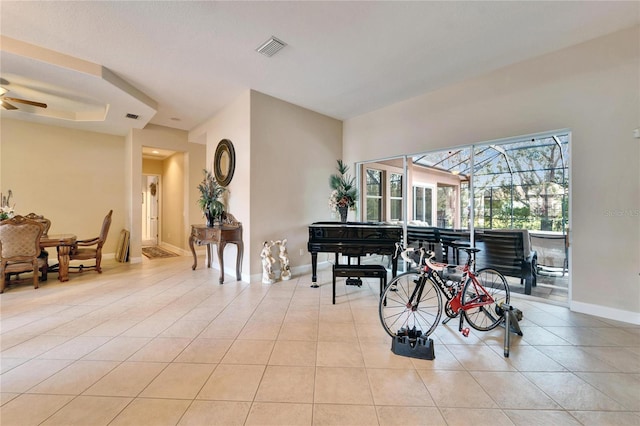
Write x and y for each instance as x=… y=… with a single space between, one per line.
x=344 y=193
x=209 y=201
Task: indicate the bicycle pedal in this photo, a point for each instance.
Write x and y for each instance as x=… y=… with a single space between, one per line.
x=465 y=332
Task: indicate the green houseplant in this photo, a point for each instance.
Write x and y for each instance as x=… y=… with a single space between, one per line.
x=344 y=193
x=209 y=201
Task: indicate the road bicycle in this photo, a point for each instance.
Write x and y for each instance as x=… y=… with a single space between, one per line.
x=411 y=304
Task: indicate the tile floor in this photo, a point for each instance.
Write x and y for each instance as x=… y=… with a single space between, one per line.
x=159 y=344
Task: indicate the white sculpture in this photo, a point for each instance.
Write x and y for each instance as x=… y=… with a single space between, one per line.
x=267 y=264
x=285 y=270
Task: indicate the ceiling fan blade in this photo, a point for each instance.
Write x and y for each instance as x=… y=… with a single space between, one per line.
x=6 y=105
x=24 y=101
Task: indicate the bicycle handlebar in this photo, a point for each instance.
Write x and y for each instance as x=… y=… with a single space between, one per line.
x=425 y=257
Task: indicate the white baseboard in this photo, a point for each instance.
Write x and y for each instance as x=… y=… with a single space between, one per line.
x=295 y=271
x=175 y=249
x=605 y=312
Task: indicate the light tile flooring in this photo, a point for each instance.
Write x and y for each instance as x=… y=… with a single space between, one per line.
x=159 y=344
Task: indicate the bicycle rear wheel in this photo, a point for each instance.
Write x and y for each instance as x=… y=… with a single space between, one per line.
x=401 y=315
x=485 y=317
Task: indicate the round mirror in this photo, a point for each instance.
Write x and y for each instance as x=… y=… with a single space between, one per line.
x=224 y=162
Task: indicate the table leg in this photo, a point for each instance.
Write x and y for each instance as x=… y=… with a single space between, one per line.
x=221 y=259
x=63 y=263
x=239 y=255
x=193 y=251
x=209 y=255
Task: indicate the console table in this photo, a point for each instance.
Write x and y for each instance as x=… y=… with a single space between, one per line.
x=219 y=235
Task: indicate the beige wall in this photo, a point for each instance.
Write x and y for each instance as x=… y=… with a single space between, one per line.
x=232 y=123
x=78 y=176
x=173 y=176
x=72 y=177
x=293 y=153
x=284 y=156
x=151 y=167
x=591 y=89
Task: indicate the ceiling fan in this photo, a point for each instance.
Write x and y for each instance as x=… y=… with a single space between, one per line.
x=8 y=106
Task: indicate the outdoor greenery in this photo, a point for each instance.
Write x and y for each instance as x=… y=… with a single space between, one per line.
x=527 y=191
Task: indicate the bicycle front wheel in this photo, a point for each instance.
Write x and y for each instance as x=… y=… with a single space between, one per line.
x=489 y=282
x=403 y=314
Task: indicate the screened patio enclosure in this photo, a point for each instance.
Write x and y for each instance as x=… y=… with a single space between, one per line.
x=516 y=183
x=522 y=184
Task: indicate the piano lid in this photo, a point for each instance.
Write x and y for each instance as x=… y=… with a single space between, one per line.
x=355 y=225
x=354 y=233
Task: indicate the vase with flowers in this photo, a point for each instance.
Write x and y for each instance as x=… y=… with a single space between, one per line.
x=210 y=195
x=6 y=210
x=344 y=193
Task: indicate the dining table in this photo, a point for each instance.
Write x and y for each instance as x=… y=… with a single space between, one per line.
x=63 y=244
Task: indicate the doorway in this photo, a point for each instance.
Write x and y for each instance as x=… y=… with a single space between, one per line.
x=150 y=209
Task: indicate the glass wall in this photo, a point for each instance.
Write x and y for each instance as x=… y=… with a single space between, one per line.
x=518 y=183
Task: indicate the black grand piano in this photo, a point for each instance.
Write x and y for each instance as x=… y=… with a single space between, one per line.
x=352 y=239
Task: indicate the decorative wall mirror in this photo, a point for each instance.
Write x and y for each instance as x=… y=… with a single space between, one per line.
x=224 y=162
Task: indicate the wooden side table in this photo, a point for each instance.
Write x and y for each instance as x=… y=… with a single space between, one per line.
x=219 y=235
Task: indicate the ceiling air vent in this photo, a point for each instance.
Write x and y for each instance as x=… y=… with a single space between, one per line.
x=133 y=116
x=271 y=46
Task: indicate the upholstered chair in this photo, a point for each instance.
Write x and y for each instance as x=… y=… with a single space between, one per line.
x=47 y=224
x=43 y=220
x=91 y=248
x=20 y=248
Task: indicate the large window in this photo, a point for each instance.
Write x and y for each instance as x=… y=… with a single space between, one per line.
x=395 y=196
x=423 y=204
x=447 y=206
x=517 y=184
x=374 y=195
x=522 y=184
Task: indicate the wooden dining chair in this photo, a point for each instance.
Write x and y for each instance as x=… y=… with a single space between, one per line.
x=20 y=248
x=47 y=224
x=43 y=220
x=91 y=248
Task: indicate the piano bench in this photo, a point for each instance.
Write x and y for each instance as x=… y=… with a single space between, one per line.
x=369 y=271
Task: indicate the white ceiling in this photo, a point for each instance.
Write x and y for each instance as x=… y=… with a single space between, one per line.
x=342 y=59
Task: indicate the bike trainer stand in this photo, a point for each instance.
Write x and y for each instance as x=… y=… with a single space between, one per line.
x=412 y=346
x=511 y=317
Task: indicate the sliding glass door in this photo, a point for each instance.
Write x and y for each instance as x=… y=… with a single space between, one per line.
x=511 y=184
